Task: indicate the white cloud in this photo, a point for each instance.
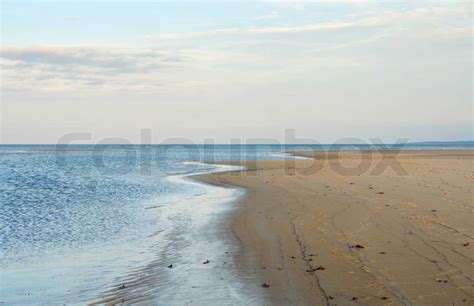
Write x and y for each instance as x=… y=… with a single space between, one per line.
x=314 y=27
x=92 y=67
x=396 y=19
x=272 y=15
x=263 y=30
x=52 y=68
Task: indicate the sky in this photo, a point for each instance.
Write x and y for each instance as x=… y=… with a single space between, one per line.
x=236 y=71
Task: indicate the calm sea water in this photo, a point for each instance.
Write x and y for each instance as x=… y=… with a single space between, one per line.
x=78 y=220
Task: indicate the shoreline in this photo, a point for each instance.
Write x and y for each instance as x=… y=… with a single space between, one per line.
x=197 y=263
x=318 y=237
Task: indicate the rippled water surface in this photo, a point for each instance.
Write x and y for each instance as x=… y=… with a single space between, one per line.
x=74 y=220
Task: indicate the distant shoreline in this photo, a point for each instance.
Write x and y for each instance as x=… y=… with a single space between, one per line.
x=423 y=143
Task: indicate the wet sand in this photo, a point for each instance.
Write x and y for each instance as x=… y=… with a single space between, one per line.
x=320 y=234
x=193 y=251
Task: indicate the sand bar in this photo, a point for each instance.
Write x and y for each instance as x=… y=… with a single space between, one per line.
x=367 y=228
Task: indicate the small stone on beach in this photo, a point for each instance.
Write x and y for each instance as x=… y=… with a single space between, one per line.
x=265 y=285
x=315 y=269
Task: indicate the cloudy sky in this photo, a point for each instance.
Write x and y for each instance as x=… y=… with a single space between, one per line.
x=366 y=69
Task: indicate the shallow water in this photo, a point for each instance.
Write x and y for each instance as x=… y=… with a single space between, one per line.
x=79 y=222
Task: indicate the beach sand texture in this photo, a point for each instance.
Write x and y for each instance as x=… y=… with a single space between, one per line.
x=320 y=234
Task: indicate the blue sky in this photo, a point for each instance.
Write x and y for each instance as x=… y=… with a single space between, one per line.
x=237 y=69
x=71 y=22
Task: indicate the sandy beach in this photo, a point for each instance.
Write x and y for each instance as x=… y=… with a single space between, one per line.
x=359 y=228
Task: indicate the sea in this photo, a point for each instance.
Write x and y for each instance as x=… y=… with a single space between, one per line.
x=85 y=223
